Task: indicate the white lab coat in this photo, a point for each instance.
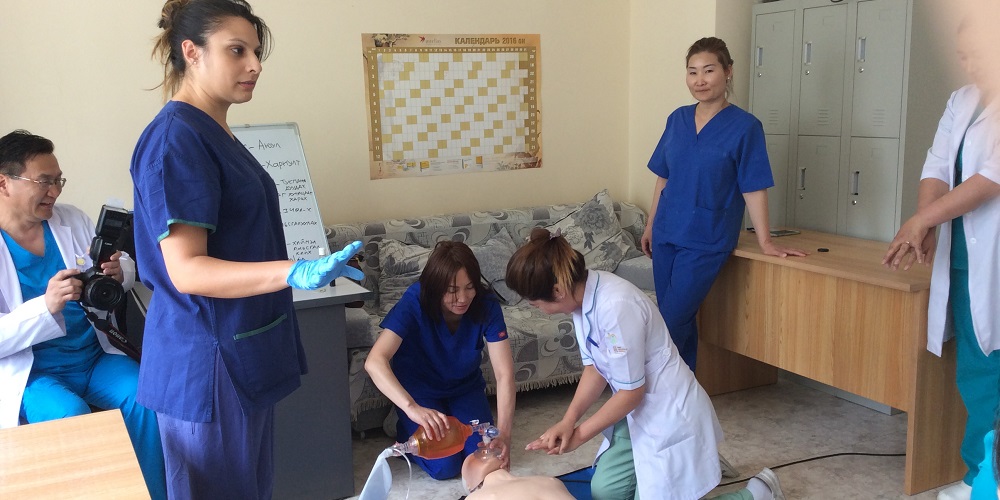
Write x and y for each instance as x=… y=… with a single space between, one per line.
x=24 y=324
x=675 y=432
x=980 y=155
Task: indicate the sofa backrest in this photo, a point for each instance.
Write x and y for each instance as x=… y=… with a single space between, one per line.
x=471 y=228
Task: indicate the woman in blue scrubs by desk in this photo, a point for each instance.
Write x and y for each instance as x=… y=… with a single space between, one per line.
x=427 y=358
x=715 y=158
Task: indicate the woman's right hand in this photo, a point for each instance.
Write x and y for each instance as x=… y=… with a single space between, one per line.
x=646 y=242
x=551 y=440
x=435 y=423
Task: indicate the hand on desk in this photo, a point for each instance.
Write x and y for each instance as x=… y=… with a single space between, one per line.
x=313 y=274
x=770 y=248
x=902 y=249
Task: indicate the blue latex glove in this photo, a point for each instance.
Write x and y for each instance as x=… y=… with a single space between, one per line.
x=313 y=274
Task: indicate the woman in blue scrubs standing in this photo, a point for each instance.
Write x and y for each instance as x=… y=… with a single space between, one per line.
x=221 y=344
x=427 y=358
x=715 y=159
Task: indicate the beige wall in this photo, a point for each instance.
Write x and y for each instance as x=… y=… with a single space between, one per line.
x=612 y=72
x=661 y=32
x=75 y=72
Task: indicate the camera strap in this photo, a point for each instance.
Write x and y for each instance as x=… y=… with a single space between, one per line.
x=115 y=336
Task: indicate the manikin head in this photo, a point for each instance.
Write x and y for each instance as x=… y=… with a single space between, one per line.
x=477 y=466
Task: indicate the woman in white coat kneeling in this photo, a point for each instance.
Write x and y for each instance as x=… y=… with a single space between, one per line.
x=661 y=431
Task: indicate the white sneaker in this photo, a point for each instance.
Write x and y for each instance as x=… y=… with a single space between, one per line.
x=771 y=480
x=957 y=491
x=728 y=471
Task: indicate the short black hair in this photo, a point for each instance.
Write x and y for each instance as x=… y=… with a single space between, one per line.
x=19 y=146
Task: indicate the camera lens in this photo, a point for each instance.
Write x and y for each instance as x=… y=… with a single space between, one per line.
x=102 y=292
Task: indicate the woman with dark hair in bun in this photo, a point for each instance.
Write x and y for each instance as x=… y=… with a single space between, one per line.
x=221 y=344
x=660 y=429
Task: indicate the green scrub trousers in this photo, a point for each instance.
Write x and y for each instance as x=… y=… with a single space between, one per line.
x=614 y=477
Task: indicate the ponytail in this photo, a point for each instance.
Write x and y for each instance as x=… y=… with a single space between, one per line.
x=545 y=260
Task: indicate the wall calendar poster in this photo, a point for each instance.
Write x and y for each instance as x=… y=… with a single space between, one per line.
x=449 y=104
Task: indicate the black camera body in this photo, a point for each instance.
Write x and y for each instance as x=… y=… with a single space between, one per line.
x=100 y=291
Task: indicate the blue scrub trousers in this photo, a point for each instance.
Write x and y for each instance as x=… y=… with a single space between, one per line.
x=977 y=376
x=683 y=277
x=231 y=457
x=110 y=383
x=472 y=405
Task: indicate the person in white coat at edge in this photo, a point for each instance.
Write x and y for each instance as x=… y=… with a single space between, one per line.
x=660 y=429
x=53 y=362
x=958 y=192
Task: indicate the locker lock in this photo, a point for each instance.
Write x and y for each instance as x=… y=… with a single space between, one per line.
x=861 y=70
x=854 y=202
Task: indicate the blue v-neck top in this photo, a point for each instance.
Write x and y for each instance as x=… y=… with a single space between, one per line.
x=707 y=174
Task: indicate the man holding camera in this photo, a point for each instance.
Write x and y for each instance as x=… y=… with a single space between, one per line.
x=53 y=362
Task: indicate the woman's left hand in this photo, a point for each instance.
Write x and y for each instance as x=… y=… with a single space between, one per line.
x=912 y=243
x=772 y=249
x=502 y=443
x=113 y=268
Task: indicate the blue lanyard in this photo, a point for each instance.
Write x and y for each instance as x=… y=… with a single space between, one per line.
x=593 y=304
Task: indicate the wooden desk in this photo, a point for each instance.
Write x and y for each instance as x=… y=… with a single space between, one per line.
x=89 y=456
x=842 y=319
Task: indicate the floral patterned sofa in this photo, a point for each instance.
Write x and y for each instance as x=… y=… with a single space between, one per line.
x=544 y=347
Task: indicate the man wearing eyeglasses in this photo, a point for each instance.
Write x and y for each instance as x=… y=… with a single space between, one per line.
x=53 y=362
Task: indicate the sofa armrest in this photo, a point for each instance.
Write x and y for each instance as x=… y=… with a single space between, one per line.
x=638 y=271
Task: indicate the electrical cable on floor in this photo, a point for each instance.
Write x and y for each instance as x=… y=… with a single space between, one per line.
x=821 y=457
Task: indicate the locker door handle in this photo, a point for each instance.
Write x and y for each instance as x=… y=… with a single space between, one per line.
x=862 y=48
x=802 y=179
x=807 y=53
x=856 y=183
x=759 y=57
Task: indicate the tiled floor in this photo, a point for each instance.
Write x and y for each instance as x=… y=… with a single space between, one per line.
x=764 y=427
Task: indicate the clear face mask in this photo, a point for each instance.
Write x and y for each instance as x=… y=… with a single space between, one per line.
x=483 y=453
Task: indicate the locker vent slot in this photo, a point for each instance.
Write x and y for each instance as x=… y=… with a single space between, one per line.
x=773 y=116
x=823 y=116
x=878 y=117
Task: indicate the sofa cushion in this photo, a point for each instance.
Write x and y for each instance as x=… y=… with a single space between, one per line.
x=401 y=267
x=493 y=256
x=593 y=230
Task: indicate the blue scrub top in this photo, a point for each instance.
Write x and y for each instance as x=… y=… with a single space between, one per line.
x=433 y=362
x=79 y=349
x=186 y=169
x=707 y=174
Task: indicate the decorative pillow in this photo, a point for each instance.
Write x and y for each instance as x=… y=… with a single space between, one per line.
x=401 y=267
x=593 y=231
x=493 y=256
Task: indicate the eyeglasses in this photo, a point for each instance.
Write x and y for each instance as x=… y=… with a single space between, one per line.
x=58 y=182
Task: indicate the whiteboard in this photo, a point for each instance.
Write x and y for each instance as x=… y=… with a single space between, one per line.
x=278 y=148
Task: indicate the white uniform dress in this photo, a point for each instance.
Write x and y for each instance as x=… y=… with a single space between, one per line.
x=24 y=324
x=980 y=155
x=674 y=430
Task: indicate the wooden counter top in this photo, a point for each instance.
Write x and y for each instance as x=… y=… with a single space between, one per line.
x=850 y=258
x=89 y=456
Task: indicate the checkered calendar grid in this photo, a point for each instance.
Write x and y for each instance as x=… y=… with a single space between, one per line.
x=454 y=103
